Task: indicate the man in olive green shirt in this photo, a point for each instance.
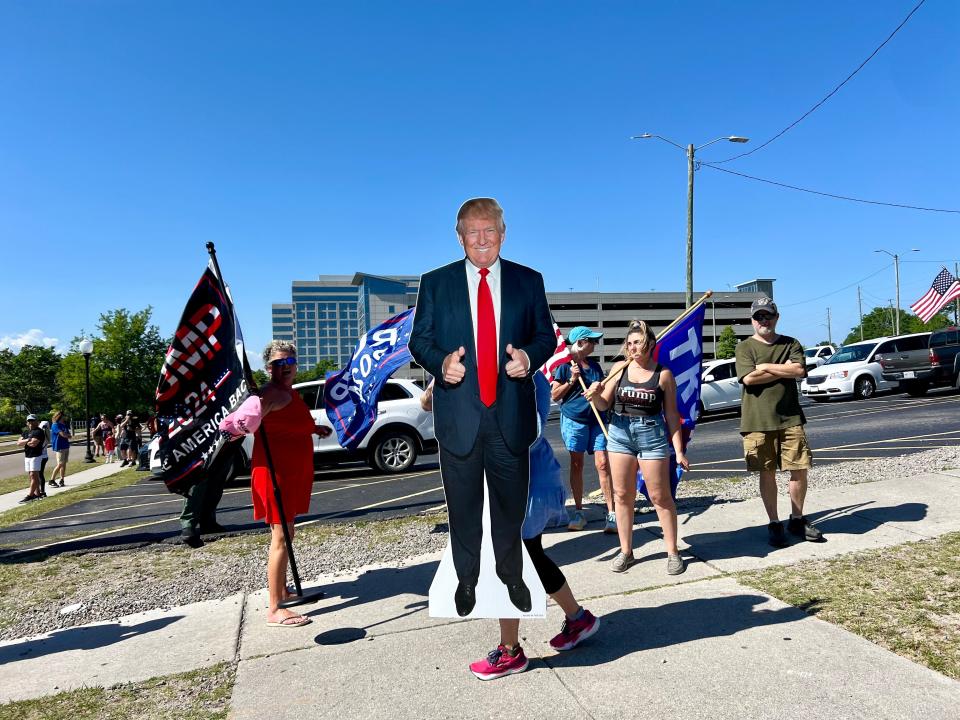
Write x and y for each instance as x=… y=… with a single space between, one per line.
x=771 y=423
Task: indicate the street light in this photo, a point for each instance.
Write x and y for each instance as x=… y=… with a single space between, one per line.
x=896 y=271
x=86 y=347
x=691 y=151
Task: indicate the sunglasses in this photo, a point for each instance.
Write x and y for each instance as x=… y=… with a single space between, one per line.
x=763 y=317
x=280 y=362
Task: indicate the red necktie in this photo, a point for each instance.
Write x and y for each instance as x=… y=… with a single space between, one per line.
x=486 y=342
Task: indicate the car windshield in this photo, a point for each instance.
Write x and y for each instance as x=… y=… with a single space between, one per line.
x=810 y=353
x=850 y=353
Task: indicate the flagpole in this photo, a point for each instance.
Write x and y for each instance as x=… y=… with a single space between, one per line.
x=683 y=316
x=299 y=598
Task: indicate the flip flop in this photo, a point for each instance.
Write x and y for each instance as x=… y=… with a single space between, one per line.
x=292 y=621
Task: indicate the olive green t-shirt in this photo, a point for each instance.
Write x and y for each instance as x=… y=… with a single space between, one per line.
x=775 y=405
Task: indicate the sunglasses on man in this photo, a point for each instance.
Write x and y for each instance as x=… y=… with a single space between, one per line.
x=280 y=362
x=763 y=317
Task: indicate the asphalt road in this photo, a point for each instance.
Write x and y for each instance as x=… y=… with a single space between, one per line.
x=145 y=512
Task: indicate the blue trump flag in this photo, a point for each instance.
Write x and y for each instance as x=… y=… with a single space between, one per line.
x=350 y=396
x=681 y=350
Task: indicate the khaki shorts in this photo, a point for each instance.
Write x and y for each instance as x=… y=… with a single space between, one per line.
x=62 y=456
x=784 y=449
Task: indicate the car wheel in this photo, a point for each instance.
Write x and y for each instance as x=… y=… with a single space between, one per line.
x=394 y=452
x=917 y=389
x=864 y=388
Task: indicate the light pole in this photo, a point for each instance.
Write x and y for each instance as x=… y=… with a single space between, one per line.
x=86 y=347
x=691 y=151
x=896 y=272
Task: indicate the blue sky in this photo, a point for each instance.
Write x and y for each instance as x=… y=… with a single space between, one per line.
x=309 y=138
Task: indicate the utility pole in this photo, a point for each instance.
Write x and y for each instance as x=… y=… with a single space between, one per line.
x=956 y=304
x=860 y=309
x=713 y=309
x=896 y=270
x=829 y=329
x=891 y=316
x=690 y=152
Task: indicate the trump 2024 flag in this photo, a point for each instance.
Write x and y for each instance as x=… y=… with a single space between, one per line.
x=350 y=396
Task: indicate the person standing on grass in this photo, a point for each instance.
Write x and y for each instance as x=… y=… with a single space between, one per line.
x=579 y=426
x=771 y=423
x=32 y=444
x=60 y=444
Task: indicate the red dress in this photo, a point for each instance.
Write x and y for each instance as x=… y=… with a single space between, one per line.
x=289 y=433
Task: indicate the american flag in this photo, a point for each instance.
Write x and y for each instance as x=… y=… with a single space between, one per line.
x=560 y=356
x=944 y=289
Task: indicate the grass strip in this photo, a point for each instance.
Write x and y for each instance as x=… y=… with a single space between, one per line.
x=31 y=510
x=197 y=695
x=905 y=598
x=22 y=482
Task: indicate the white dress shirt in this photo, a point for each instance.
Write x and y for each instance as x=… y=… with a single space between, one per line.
x=473 y=287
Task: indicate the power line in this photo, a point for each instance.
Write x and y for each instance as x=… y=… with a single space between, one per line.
x=834 y=292
x=830 y=195
x=829 y=95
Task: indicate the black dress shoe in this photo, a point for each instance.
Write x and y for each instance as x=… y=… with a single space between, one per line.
x=520 y=596
x=212 y=529
x=191 y=538
x=465 y=598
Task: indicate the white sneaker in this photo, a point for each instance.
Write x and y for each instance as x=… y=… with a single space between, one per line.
x=610 y=527
x=579 y=522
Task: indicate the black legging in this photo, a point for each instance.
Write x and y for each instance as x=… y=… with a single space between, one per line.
x=43 y=480
x=547 y=569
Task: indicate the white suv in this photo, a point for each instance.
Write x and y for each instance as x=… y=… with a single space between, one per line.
x=401 y=432
x=817 y=356
x=853 y=370
x=719 y=386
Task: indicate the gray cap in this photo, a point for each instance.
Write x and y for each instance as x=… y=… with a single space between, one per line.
x=30 y=417
x=763 y=304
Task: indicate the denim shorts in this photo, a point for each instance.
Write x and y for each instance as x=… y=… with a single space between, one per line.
x=643 y=437
x=581 y=437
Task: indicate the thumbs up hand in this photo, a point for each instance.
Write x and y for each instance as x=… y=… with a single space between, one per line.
x=519 y=364
x=453 y=369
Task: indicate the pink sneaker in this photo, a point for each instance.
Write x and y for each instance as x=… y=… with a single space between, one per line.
x=575 y=632
x=499 y=663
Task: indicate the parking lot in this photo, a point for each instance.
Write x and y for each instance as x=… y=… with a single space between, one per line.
x=887 y=425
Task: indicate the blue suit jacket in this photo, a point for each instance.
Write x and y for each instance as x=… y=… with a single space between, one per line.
x=442 y=324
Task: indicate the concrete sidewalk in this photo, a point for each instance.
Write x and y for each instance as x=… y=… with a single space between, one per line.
x=697 y=645
x=11 y=500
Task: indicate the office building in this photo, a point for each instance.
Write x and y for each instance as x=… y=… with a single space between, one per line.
x=326 y=317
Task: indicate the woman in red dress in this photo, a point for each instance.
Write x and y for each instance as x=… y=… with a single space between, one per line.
x=289 y=427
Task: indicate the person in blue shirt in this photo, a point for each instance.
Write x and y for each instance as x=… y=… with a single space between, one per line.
x=60 y=444
x=579 y=427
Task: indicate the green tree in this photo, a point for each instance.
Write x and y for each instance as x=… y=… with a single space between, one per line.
x=124 y=367
x=10 y=419
x=29 y=377
x=879 y=322
x=726 y=343
x=317 y=372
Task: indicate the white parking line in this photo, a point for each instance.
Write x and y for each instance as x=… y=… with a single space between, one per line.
x=371 y=506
